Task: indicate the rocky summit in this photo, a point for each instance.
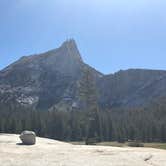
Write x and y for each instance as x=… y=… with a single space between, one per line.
x=50 y=81
x=44 y=81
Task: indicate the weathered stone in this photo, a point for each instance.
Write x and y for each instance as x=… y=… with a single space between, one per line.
x=28 y=137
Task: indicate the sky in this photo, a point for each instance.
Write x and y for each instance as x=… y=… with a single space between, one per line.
x=110 y=34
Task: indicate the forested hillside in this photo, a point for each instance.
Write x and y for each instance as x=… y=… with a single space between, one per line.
x=147 y=125
x=59 y=96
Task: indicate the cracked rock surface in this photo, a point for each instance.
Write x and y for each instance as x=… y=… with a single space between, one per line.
x=49 y=152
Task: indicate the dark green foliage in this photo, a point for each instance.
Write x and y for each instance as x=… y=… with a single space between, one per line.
x=136 y=125
x=91 y=141
x=89 y=101
x=135 y=144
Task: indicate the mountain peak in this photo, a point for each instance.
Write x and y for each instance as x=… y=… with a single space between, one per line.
x=69 y=42
x=72 y=49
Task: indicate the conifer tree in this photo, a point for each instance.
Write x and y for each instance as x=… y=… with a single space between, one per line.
x=89 y=101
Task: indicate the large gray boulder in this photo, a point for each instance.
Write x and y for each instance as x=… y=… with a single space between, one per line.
x=28 y=137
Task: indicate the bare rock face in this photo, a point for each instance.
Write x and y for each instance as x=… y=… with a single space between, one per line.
x=28 y=137
x=132 y=88
x=49 y=81
x=43 y=81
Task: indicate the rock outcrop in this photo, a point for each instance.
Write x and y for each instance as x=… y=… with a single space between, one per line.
x=51 y=152
x=28 y=137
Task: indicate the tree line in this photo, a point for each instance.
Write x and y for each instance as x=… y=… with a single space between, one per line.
x=115 y=125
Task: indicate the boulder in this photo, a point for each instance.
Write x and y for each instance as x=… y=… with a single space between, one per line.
x=28 y=137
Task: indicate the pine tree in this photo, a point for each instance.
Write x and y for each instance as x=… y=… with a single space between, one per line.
x=89 y=102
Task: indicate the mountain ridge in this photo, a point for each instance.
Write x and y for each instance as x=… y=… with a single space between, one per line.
x=50 y=81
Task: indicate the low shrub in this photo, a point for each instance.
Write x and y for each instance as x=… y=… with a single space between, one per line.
x=91 y=141
x=135 y=144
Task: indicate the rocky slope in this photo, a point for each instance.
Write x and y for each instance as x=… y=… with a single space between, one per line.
x=132 y=88
x=44 y=81
x=50 y=152
x=50 y=81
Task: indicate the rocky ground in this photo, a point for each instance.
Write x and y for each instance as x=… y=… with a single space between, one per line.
x=49 y=152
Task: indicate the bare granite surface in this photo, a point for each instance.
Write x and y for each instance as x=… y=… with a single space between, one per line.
x=49 y=152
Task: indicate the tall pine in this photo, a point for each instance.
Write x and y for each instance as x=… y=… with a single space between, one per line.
x=89 y=102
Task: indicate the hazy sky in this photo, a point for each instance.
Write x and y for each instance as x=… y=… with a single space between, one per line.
x=111 y=34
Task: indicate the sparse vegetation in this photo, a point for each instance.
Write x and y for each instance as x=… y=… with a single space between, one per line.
x=135 y=144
